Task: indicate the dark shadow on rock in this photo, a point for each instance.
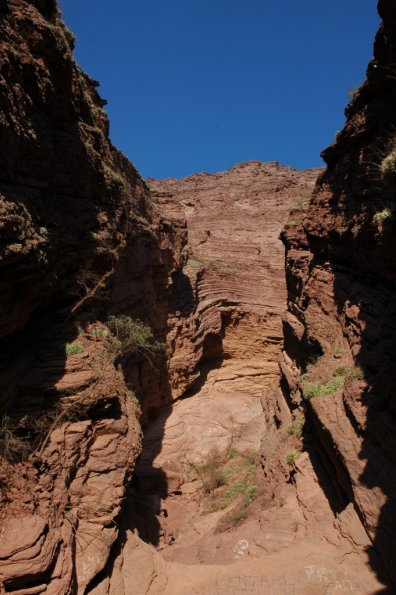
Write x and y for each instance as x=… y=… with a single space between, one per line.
x=183 y=295
x=374 y=298
x=33 y=361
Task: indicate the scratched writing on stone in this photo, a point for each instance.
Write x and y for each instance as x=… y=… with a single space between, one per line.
x=238 y=585
x=332 y=581
x=278 y=539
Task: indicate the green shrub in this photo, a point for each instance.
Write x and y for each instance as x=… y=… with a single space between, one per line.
x=296 y=427
x=232 y=453
x=356 y=373
x=381 y=216
x=313 y=388
x=113 y=176
x=236 y=480
x=195 y=262
x=292 y=457
x=388 y=166
x=301 y=204
x=64 y=37
x=214 y=478
x=73 y=348
x=233 y=518
x=132 y=337
x=339 y=351
x=250 y=493
x=341 y=371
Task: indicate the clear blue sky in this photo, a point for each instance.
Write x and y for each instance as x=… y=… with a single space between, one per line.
x=199 y=85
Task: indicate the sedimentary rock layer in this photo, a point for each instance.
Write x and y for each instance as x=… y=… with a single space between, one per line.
x=230 y=296
x=80 y=240
x=341 y=299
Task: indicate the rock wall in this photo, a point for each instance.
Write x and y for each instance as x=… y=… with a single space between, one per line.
x=229 y=298
x=340 y=326
x=81 y=239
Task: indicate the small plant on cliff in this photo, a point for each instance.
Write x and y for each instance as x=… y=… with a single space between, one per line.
x=312 y=388
x=233 y=518
x=296 y=427
x=132 y=337
x=73 y=348
x=64 y=37
x=355 y=373
x=340 y=371
x=229 y=483
x=211 y=474
x=113 y=176
x=388 y=165
x=292 y=457
x=380 y=216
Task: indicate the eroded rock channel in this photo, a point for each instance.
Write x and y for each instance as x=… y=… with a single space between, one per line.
x=229 y=473
x=182 y=409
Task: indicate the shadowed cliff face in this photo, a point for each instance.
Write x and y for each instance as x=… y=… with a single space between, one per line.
x=341 y=294
x=80 y=240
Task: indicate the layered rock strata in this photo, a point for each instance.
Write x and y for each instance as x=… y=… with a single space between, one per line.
x=229 y=299
x=286 y=531
x=225 y=322
x=80 y=241
x=340 y=326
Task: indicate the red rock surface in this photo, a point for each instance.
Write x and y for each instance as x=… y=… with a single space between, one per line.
x=341 y=300
x=84 y=237
x=227 y=333
x=79 y=240
x=229 y=300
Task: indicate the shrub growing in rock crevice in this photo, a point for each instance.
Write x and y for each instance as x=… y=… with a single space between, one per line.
x=132 y=337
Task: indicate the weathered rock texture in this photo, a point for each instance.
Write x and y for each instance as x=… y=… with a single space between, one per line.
x=225 y=336
x=229 y=299
x=79 y=240
x=84 y=237
x=341 y=301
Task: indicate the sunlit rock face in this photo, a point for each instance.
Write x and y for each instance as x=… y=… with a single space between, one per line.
x=230 y=297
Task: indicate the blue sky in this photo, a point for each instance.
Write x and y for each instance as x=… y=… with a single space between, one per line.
x=199 y=85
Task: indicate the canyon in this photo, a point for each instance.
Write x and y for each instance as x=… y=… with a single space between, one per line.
x=245 y=442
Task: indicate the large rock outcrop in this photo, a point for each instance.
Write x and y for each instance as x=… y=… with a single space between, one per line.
x=340 y=326
x=222 y=489
x=229 y=299
x=80 y=240
x=83 y=238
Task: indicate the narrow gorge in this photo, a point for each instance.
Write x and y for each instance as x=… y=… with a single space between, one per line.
x=196 y=374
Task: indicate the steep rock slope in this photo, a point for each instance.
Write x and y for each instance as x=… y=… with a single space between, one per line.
x=340 y=326
x=222 y=489
x=79 y=240
x=225 y=323
x=231 y=294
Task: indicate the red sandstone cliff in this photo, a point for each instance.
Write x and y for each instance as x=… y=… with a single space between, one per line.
x=83 y=237
x=229 y=299
x=79 y=240
x=340 y=326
